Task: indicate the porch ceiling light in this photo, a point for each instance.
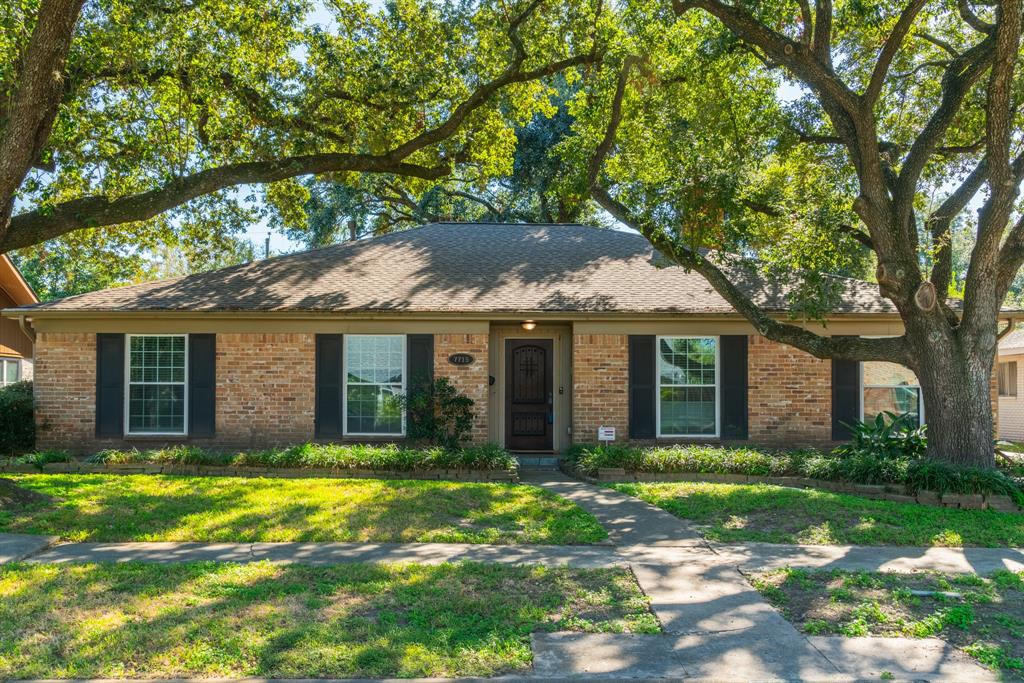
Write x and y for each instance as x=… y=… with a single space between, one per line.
x=528 y=325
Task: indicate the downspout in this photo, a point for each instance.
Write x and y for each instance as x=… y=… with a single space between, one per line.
x=1007 y=330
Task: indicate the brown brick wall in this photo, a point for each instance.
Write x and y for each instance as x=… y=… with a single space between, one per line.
x=65 y=390
x=265 y=389
x=789 y=395
x=472 y=380
x=600 y=385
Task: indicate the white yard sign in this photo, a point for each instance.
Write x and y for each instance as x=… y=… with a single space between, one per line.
x=606 y=433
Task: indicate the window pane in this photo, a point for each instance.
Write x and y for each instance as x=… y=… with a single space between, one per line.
x=1007 y=378
x=888 y=374
x=157 y=359
x=687 y=411
x=10 y=371
x=156 y=408
x=373 y=409
x=374 y=367
x=899 y=400
x=378 y=360
x=686 y=361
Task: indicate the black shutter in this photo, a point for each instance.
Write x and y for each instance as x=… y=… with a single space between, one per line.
x=109 y=385
x=642 y=386
x=845 y=397
x=420 y=366
x=202 y=384
x=733 y=354
x=419 y=360
x=329 y=385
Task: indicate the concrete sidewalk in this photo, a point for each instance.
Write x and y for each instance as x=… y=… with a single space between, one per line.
x=16 y=547
x=330 y=553
x=871 y=559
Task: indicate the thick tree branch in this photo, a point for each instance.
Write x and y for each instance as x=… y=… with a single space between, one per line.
x=29 y=115
x=889 y=49
x=857 y=234
x=853 y=348
x=972 y=19
x=807 y=27
x=939 y=42
x=777 y=47
x=941 y=220
x=963 y=72
x=822 y=45
x=96 y=211
x=32 y=227
x=983 y=291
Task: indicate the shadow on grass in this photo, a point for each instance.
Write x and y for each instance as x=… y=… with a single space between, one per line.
x=111 y=508
x=205 y=619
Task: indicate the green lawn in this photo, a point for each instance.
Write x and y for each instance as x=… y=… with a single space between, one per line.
x=98 y=507
x=205 y=619
x=737 y=513
x=984 y=617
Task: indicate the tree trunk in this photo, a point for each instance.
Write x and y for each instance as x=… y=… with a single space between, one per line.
x=956 y=384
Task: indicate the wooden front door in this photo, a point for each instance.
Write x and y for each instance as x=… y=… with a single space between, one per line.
x=529 y=403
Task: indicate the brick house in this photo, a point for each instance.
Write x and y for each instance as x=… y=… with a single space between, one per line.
x=15 y=340
x=554 y=331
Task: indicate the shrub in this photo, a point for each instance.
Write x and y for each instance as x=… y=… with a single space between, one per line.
x=887 y=436
x=40 y=458
x=913 y=473
x=326 y=456
x=936 y=476
x=17 y=422
x=439 y=414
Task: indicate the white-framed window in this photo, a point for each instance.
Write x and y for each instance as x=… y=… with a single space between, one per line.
x=688 y=378
x=10 y=371
x=1007 y=378
x=374 y=370
x=889 y=387
x=156 y=372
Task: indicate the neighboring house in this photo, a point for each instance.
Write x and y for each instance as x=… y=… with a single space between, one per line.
x=554 y=331
x=1008 y=382
x=15 y=341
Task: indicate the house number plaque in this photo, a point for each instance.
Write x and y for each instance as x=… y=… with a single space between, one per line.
x=461 y=359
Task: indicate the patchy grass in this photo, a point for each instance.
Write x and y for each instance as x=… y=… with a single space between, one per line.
x=98 y=507
x=774 y=514
x=982 y=616
x=203 y=619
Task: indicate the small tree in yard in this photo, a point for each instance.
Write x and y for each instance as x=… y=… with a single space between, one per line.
x=905 y=113
x=439 y=413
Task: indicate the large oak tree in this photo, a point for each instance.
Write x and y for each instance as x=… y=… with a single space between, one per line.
x=907 y=115
x=134 y=113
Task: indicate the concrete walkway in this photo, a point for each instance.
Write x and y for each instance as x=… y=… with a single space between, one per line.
x=16 y=547
x=628 y=520
x=871 y=559
x=716 y=626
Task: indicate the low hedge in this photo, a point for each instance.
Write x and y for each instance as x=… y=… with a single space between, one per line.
x=324 y=456
x=914 y=474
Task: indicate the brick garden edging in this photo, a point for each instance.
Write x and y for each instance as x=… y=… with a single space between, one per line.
x=891 y=492
x=268 y=472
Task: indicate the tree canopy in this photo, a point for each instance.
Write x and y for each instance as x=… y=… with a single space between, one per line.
x=163 y=108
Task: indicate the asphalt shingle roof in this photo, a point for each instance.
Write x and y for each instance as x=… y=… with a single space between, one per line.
x=458 y=267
